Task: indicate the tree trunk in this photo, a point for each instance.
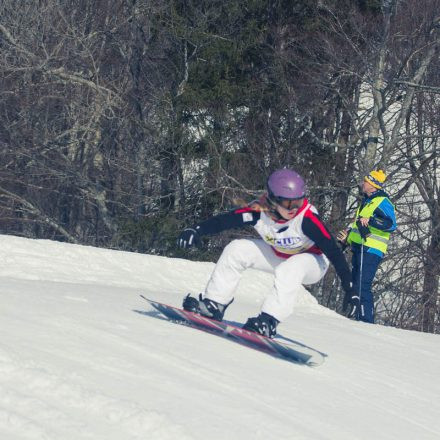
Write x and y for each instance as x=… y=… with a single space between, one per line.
x=431 y=280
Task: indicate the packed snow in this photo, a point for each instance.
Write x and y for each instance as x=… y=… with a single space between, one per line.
x=82 y=356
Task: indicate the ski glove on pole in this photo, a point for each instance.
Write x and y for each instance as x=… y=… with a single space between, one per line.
x=189 y=237
x=364 y=231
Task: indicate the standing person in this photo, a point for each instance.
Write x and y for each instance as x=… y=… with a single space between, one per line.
x=368 y=236
x=295 y=246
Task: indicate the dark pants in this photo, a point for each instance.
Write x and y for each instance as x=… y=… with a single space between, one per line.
x=362 y=281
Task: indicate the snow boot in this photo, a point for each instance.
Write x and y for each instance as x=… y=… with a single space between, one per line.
x=264 y=324
x=191 y=304
x=205 y=307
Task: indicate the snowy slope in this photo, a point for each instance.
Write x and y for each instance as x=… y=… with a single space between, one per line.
x=83 y=357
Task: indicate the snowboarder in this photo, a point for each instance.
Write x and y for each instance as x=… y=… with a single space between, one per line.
x=368 y=236
x=295 y=245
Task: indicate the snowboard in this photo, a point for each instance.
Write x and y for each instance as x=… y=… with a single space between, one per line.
x=293 y=351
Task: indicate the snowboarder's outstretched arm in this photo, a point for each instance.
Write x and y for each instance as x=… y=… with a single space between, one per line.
x=237 y=218
x=315 y=229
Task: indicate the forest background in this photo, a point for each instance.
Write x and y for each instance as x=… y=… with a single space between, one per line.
x=123 y=121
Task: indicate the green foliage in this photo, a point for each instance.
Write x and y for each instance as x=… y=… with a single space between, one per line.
x=156 y=234
x=372 y=6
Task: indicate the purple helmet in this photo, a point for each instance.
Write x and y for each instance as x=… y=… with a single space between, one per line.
x=285 y=184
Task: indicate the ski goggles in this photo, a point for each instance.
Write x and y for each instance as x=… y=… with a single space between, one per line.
x=288 y=204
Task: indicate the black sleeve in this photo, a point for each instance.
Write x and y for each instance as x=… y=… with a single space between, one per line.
x=238 y=218
x=315 y=229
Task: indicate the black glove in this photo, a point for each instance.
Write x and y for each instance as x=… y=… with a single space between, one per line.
x=354 y=307
x=351 y=304
x=189 y=237
x=364 y=231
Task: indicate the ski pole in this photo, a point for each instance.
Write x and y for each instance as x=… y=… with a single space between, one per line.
x=360 y=278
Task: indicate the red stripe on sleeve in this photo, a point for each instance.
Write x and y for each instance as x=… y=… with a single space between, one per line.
x=309 y=214
x=242 y=210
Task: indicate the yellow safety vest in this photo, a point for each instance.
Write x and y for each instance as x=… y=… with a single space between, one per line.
x=377 y=239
